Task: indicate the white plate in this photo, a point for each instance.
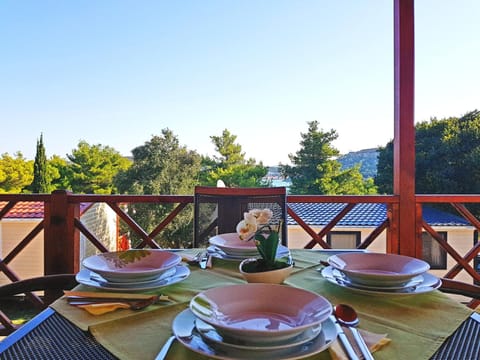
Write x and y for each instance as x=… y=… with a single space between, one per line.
x=131 y=265
x=260 y=313
x=376 y=269
x=282 y=251
x=212 y=336
x=181 y=273
x=417 y=280
x=430 y=283
x=197 y=344
x=168 y=273
x=231 y=244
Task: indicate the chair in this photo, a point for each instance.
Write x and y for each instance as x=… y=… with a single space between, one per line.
x=472 y=291
x=51 y=285
x=218 y=210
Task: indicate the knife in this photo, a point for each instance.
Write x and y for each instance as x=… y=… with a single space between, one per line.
x=344 y=340
x=204 y=260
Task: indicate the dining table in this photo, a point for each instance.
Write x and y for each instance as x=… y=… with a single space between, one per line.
x=428 y=325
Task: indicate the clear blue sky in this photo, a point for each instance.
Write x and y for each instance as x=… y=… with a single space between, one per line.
x=116 y=72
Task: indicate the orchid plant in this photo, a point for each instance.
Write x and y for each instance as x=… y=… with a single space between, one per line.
x=255 y=225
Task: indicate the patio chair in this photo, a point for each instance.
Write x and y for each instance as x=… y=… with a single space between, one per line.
x=51 y=287
x=470 y=291
x=219 y=209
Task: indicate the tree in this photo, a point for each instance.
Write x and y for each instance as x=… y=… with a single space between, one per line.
x=58 y=174
x=315 y=170
x=447 y=157
x=231 y=166
x=92 y=168
x=40 y=180
x=162 y=166
x=16 y=173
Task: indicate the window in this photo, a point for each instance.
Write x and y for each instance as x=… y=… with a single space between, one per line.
x=432 y=252
x=343 y=239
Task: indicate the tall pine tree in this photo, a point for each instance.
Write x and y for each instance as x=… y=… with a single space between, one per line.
x=40 y=182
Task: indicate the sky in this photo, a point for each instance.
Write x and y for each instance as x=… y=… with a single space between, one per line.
x=117 y=72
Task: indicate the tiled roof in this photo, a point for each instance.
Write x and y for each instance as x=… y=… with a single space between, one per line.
x=364 y=215
x=29 y=210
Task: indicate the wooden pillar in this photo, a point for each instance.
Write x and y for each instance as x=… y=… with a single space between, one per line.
x=61 y=238
x=404 y=129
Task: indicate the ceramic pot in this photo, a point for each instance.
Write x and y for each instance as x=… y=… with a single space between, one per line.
x=276 y=276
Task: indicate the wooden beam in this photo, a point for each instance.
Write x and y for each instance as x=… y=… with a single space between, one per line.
x=404 y=127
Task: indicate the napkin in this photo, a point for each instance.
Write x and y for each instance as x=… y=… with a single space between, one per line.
x=374 y=342
x=103 y=308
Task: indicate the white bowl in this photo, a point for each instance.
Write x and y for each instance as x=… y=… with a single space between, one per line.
x=231 y=244
x=378 y=269
x=259 y=313
x=131 y=265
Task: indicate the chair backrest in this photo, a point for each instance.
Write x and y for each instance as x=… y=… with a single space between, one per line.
x=219 y=209
x=470 y=291
x=50 y=285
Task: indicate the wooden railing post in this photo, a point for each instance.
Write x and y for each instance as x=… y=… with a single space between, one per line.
x=404 y=128
x=61 y=238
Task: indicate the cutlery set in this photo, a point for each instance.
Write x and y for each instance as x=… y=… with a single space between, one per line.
x=118 y=300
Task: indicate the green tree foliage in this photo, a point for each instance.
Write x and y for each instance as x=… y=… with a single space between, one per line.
x=16 y=173
x=162 y=166
x=92 y=168
x=447 y=157
x=315 y=170
x=231 y=166
x=58 y=174
x=40 y=183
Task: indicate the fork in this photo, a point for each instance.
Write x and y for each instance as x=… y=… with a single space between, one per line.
x=121 y=303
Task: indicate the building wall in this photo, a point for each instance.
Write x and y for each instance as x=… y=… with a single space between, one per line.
x=461 y=239
x=99 y=219
x=29 y=262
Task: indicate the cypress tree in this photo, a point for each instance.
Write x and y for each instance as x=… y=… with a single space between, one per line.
x=39 y=183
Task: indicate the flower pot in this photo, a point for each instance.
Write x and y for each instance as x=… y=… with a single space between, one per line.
x=276 y=276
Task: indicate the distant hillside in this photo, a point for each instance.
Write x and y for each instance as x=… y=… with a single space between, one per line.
x=367 y=158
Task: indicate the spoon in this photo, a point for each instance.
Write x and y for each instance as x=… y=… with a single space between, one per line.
x=347 y=316
x=183 y=326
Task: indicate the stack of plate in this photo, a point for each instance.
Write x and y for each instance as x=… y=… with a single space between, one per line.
x=132 y=270
x=380 y=273
x=249 y=322
x=229 y=246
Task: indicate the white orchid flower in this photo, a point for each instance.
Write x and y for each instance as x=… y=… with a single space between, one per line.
x=247 y=226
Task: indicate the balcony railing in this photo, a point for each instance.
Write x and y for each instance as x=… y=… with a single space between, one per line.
x=62 y=225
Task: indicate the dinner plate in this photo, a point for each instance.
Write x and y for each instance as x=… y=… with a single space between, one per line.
x=429 y=283
x=260 y=313
x=181 y=273
x=131 y=265
x=168 y=273
x=214 y=251
x=211 y=335
x=197 y=344
x=417 y=280
x=231 y=244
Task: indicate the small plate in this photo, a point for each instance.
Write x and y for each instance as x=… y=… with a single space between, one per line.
x=417 y=280
x=168 y=273
x=214 y=251
x=211 y=335
x=430 y=283
x=231 y=244
x=131 y=265
x=197 y=344
x=181 y=273
x=260 y=313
